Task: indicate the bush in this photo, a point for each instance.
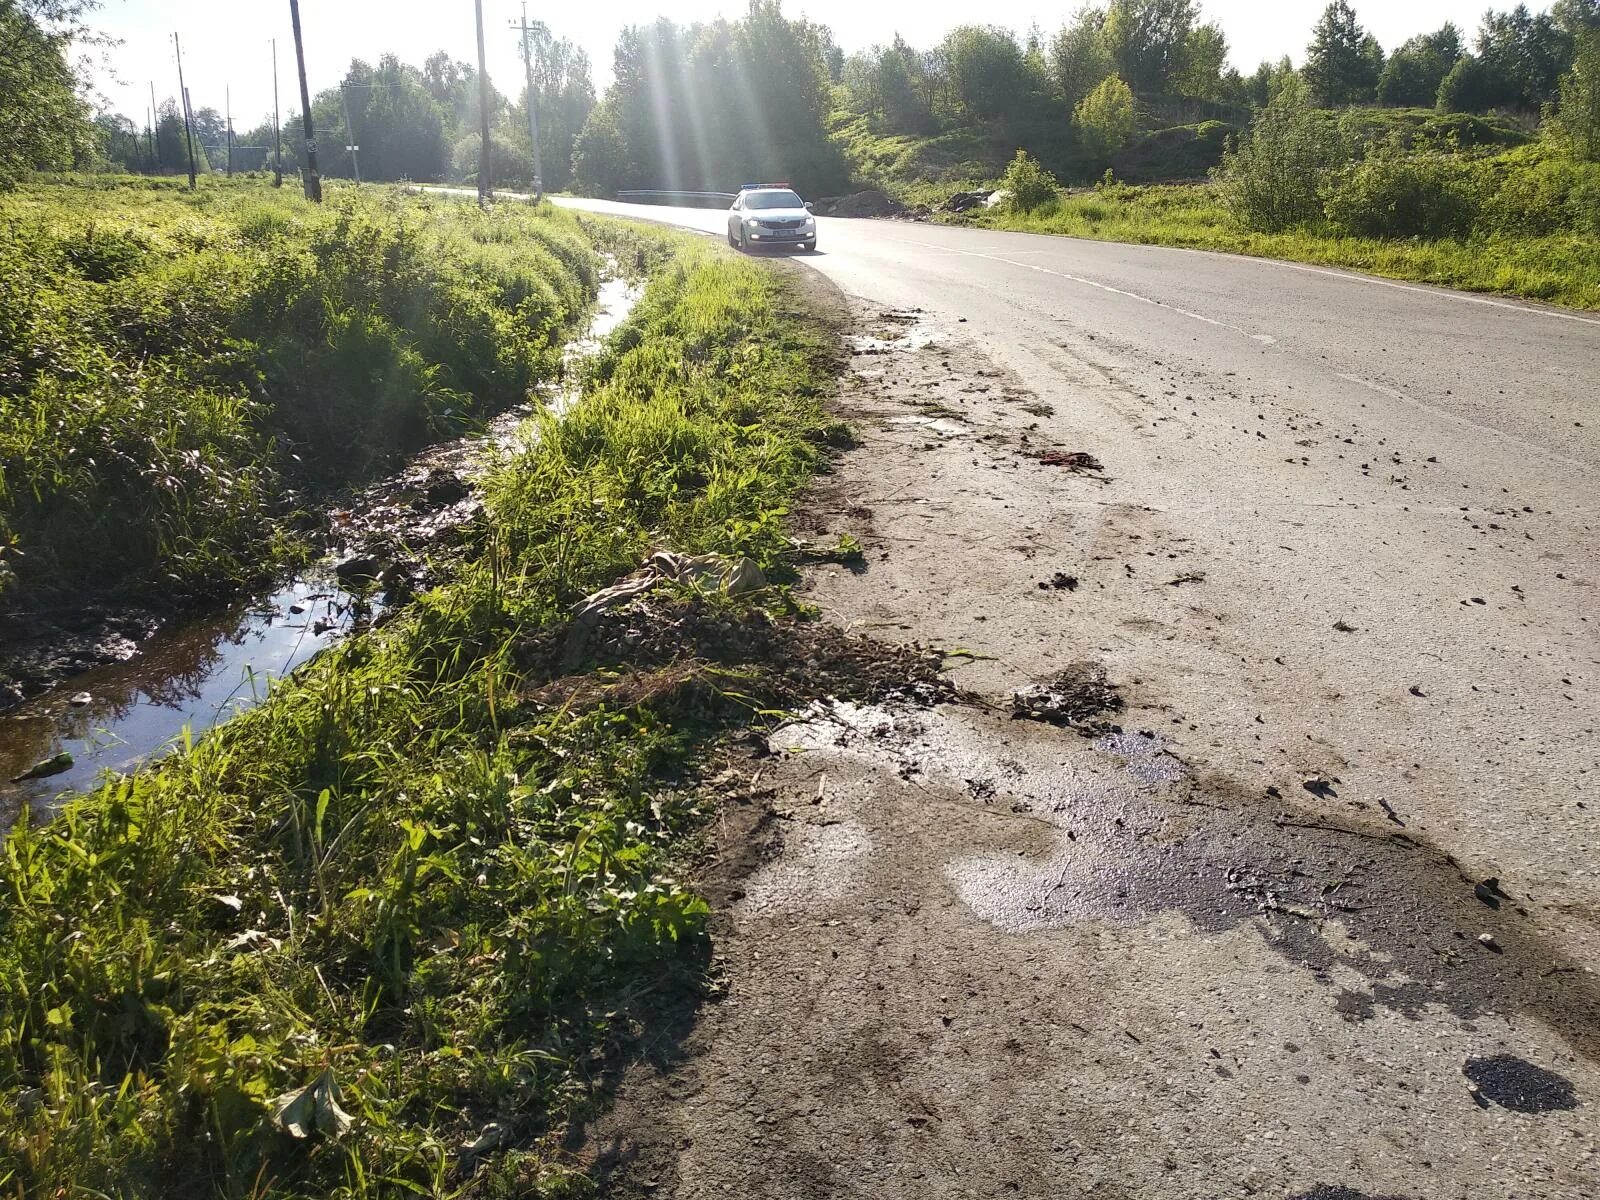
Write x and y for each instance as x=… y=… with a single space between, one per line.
x=1574 y=126
x=1105 y=119
x=1273 y=180
x=1395 y=193
x=1537 y=197
x=1029 y=184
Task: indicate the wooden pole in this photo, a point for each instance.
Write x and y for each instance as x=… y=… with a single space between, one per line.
x=485 y=178
x=188 y=124
x=277 y=123
x=312 y=179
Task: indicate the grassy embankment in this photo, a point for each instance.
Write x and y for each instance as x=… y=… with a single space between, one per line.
x=406 y=907
x=1561 y=268
x=174 y=368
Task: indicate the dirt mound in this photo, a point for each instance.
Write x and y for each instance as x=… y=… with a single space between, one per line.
x=871 y=203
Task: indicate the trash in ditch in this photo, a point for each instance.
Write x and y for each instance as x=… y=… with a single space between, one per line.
x=43 y=770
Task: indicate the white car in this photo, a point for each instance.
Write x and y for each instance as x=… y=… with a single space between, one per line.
x=771 y=216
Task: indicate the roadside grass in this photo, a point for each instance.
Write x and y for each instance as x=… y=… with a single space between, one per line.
x=1559 y=268
x=378 y=936
x=174 y=365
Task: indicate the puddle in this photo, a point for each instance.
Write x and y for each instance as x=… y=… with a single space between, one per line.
x=211 y=667
x=191 y=677
x=1122 y=832
x=902 y=331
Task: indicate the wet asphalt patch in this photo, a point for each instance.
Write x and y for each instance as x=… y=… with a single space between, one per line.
x=1382 y=919
x=1519 y=1085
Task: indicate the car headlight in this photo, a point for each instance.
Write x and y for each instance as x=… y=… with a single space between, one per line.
x=811 y=222
x=752 y=223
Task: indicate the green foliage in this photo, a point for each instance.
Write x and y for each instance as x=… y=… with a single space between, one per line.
x=168 y=362
x=1273 y=179
x=1412 y=76
x=748 y=100
x=1029 y=184
x=1532 y=195
x=1105 y=119
x=408 y=906
x=986 y=70
x=1079 y=57
x=1574 y=126
x=1523 y=56
x=1148 y=41
x=44 y=124
x=1344 y=61
x=1395 y=192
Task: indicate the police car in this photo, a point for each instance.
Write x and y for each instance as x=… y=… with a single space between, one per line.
x=770 y=214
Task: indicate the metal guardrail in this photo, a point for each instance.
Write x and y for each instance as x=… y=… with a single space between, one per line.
x=672 y=196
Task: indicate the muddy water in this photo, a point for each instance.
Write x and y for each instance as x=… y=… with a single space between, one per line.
x=197 y=674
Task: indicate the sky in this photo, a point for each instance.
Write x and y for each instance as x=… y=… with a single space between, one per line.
x=226 y=46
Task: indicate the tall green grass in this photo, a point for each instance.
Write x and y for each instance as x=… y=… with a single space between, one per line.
x=407 y=903
x=170 y=363
x=1558 y=267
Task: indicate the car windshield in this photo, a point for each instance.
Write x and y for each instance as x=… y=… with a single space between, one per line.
x=777 y=198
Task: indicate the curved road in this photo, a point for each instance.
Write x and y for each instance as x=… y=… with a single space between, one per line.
x=1347 y=556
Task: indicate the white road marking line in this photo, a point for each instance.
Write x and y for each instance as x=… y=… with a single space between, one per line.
x=1265 y=339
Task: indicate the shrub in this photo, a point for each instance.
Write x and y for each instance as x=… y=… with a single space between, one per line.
x=1105 y=118
x=1574 y=126
x=1029 y=184
x=1273 y=180
x=1396 y=193
x=1537 y=197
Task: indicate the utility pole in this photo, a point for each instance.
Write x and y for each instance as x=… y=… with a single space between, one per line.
x=485 y=179
x=188 y=124
x=533 y=106
x=313 y=180
x=227 y=108
x=155 y=115
x=277 y=123
x=350 y=131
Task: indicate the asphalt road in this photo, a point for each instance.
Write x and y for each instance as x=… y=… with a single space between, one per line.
x=1343 y=560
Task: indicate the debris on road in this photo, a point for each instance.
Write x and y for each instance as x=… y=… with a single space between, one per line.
x=1072 y=460
x=1074 y=698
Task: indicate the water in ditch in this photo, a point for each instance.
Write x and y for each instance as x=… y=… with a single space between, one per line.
x=197 y=673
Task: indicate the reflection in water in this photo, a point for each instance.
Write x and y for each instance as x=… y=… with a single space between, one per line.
x=190 y=677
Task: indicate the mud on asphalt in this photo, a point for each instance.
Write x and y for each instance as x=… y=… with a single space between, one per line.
x=1008 y=942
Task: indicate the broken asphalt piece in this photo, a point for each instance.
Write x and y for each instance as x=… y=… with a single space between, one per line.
x=1489 y=892
x=1519 y=1085
x=1060 y=581
x=1074 y=698
x=1072 y=460
x=43 y=770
